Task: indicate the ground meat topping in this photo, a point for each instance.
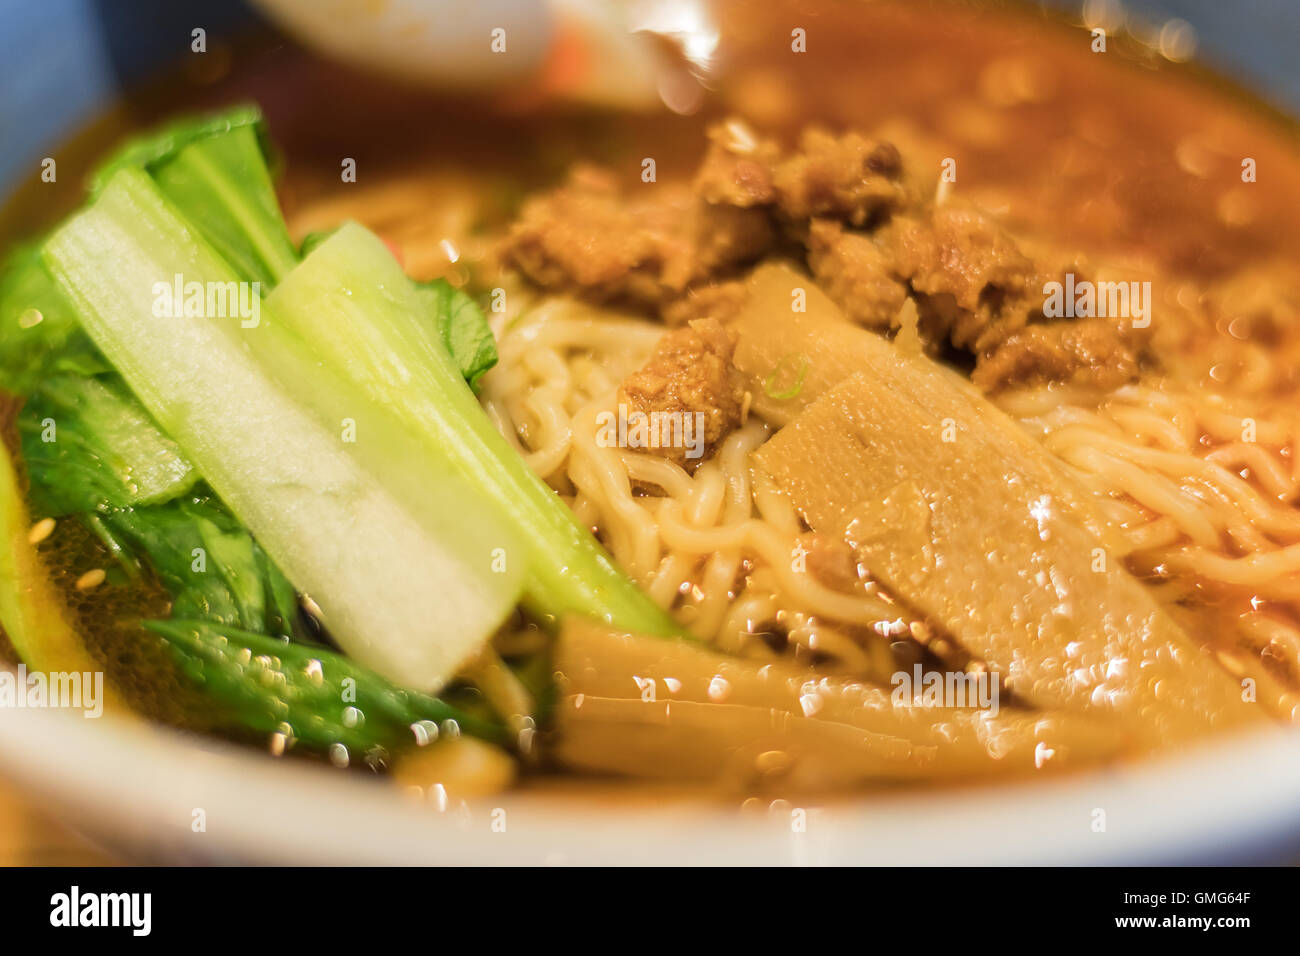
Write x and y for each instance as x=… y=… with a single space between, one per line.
x=959 y=252
x=847 y=177
x=711 y=300
x=690 y=372
x=591 y=238
x=737 y=169
x=1090 y=353
x=976 y=289
x=857 y=273
x=875 y=236
x=585 y=236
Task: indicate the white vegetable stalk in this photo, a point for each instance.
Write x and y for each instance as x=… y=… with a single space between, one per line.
x=410 y=584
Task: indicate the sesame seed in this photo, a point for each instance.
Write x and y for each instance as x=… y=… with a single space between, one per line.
x=91 y=579
x=40 y=531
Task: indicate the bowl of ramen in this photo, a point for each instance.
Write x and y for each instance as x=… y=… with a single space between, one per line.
x=893 y=440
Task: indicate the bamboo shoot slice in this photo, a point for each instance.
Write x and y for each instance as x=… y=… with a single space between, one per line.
x=949 y=504
x=650 y=707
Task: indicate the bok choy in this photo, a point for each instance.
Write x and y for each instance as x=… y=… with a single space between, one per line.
x=311 y=696
x=350 y=300
x=318 y=435
x=387 y=570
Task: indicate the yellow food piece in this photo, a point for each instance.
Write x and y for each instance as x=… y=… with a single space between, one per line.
x=948 y=503
x=33 y=616
x=457 y=768
x=670 y=709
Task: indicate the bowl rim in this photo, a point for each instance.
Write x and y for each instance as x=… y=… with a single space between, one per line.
x=137 y=787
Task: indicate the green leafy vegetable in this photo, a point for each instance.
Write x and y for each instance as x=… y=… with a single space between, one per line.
x=332 y=491
x=363 y=525
x=109 y=463
x=214 y=170
x=457 y=321
x=109 y=456
x=221 y=185
x=312 y=240
x=350 y=301
x=462 y=328
x=209 y=562
x=91 y=446
x=150 y=149
x=40 y=334
x=315 y=697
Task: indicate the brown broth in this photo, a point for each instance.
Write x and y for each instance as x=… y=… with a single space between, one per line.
x=1118 y=153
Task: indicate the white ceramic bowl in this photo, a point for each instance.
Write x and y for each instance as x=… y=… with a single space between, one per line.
x=138 y=788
